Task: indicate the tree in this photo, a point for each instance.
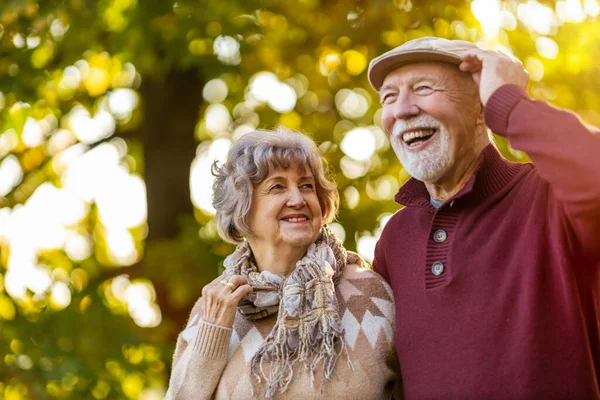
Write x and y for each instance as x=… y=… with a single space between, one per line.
x=96 y=95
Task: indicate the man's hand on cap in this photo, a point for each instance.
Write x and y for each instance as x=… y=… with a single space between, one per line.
x=491 y=70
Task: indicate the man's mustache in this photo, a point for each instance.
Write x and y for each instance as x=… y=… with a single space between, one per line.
x=425 y=122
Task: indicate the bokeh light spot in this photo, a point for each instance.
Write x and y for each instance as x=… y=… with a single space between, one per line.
x=352 y=197
x=535 y=68
x=546 y=47
x=355 y=62
x=227 y=50
x=217 y=118
x=215 y=91
x=11 y=174
x=61 y=295
x=358 y=143
x=338 y=230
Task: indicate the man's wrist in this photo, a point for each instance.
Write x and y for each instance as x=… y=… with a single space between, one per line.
x=499 y=106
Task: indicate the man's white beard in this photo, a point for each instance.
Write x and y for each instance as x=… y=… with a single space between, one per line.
x=429 y=164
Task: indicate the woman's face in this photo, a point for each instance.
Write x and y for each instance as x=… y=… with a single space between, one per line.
x=285 y=210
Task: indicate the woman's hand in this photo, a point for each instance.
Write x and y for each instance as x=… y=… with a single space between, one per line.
x=220 y=298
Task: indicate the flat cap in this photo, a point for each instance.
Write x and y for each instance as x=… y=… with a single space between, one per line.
x=424 y=49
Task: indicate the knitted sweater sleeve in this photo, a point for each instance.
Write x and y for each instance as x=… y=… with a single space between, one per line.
x=199 y=360
x=379 y=264
x=565 y=151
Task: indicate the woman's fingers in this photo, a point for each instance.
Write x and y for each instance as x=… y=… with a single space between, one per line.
x=237 y=280
x=221 y=297
x=240 y=292
x=241 y=287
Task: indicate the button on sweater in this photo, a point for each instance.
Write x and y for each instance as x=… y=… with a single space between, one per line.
x=506 y=305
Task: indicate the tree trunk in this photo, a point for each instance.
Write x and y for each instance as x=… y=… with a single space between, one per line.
x=171 y=109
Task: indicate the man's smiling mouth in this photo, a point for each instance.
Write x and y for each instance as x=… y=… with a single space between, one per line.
x=415 y=138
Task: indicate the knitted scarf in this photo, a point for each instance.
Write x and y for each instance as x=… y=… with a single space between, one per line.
x=308 y=325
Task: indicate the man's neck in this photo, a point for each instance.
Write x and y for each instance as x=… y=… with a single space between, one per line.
x=452 y=183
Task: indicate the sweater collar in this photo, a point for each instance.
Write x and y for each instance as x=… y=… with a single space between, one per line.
x=492 y=173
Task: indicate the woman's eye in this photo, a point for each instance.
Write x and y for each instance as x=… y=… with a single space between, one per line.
x=309 y=186
x=276 y=187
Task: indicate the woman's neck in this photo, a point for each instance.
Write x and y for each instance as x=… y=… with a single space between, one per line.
x=277 y=260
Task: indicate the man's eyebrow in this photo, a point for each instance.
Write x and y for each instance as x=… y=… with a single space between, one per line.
x=420 y=78
x=412 y=80
x=385 y=87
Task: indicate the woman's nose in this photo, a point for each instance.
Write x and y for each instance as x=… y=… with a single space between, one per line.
x=295 y=200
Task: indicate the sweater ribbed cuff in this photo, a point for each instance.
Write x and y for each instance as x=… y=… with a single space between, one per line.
x=500 y=105
x=212 y=340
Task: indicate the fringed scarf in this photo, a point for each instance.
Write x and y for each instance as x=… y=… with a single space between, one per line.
x=308 y=326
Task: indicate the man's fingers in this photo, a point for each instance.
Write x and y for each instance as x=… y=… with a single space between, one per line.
x=469 y=66
x=474 y=54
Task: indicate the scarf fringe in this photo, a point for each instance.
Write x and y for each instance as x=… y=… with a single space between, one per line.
x=308 y=330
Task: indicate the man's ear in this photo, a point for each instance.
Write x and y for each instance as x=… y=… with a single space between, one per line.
x=480 y=119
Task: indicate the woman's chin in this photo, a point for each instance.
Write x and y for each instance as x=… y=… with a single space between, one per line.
x=298 y=240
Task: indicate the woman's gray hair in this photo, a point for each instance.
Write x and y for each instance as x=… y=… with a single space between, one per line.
x=249 y=161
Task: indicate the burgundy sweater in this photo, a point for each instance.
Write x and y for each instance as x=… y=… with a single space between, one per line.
x=498 y=291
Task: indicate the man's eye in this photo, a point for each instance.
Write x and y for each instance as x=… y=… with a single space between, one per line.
x=423 y=89
x=387 y=98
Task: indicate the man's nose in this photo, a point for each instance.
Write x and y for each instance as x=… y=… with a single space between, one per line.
x=404 y=107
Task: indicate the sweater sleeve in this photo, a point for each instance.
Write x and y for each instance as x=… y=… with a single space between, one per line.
x=379 y=264
x=565 y=151
x=199 y=360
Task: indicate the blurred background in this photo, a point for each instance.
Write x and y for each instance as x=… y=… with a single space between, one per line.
x=112 y=111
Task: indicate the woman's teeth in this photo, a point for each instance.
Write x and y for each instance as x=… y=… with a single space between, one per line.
x=296 y=219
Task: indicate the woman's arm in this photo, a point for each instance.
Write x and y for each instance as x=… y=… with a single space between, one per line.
x=201 y=352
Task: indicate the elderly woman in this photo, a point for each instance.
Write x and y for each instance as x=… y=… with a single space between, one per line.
x=294 y=315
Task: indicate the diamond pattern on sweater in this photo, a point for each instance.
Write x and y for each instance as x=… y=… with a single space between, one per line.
x=374 y=287
x=234 y=342
x=372 y=325
x=387 y=308
x=367 y=338
x=360 y=305
x=241 y=326
x=251 y=343
x=352 y=328
x=190 y=330
x=348 y=290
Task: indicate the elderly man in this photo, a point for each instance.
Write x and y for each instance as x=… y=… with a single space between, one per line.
x=494 y=265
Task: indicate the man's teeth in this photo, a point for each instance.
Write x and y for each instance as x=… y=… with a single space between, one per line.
x=296 y=219
x=410 y=136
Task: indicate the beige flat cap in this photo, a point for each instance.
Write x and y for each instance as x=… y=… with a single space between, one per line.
x=424 y=49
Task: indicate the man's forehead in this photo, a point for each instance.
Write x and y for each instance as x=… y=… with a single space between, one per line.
x=420 y=71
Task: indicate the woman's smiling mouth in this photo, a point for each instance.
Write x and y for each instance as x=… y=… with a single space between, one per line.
x=295 y=218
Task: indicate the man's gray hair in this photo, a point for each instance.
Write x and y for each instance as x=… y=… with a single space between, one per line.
x=249 y=161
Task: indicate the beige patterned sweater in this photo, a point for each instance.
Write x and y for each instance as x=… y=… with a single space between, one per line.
x=213 y=362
